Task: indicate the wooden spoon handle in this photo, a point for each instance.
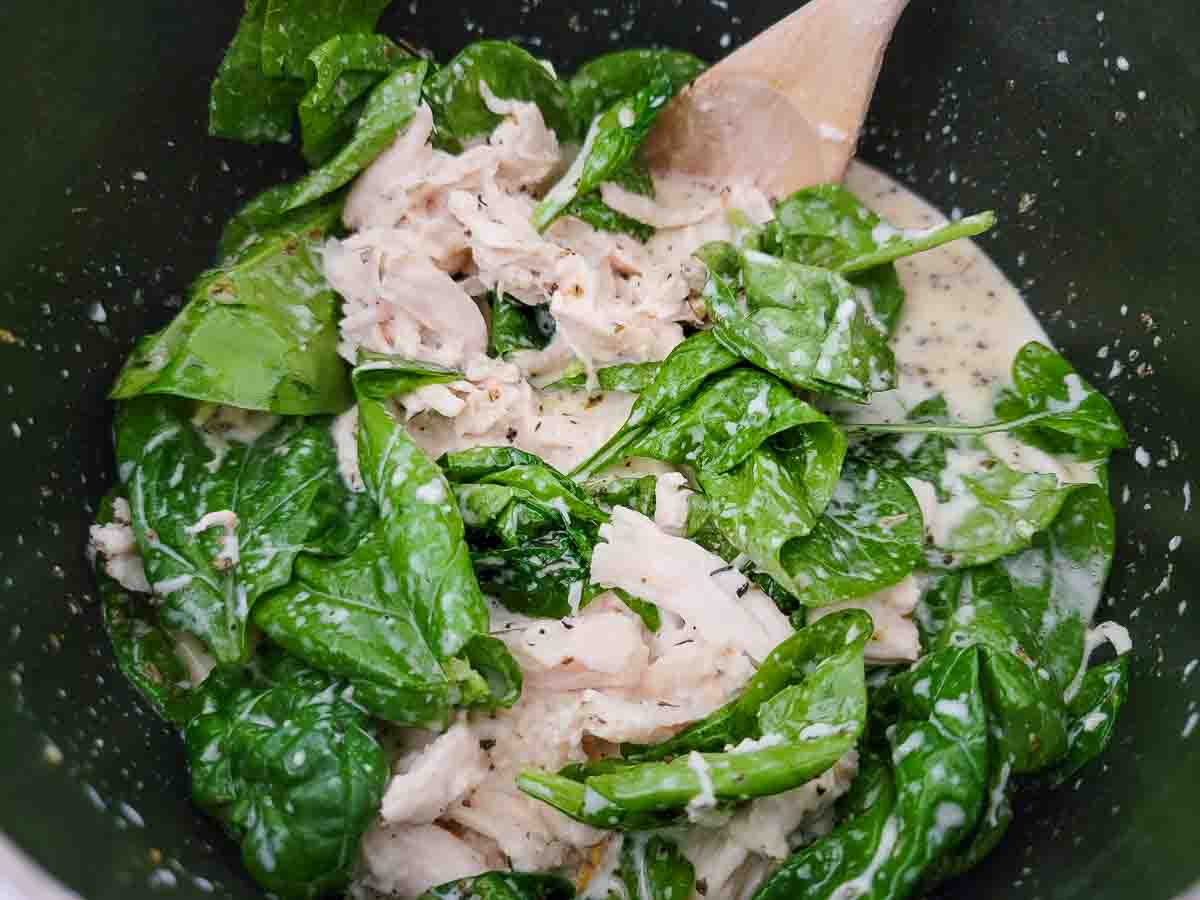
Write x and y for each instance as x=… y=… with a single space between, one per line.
x=785 y=109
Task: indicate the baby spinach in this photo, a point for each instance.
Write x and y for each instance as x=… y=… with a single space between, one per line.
x=630 y=377
x=1051 y=407
x=906 y=812
x=292 y=28
x=344 y=616
x=827 y=226
x=1065 y=414
x=1093 y=714
x=612 y=140
x=1027 y=715
x=245 y=104
x=258 y=333
x=339 y=73
x=505 y=886
x=814 y=714
x=276 y=491
x=833 y=637
x=144 y=650
x=459 y=111
x=652 y=867
x=594 y=211
x=286 y=762
x=389 y=108
x=1061 y=576
x=803 y=323
x=516 y=326
x=421 y=528
x=638 y=493
x=870 y=536
x=532 y=531
x=601 y=82
x=379 y=376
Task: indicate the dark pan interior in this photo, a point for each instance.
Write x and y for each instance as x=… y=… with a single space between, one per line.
x=114 y=199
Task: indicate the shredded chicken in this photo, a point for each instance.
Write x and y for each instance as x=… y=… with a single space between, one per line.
x=116 y=543
x=427 y=781
x=895 y=638
x=682 y=577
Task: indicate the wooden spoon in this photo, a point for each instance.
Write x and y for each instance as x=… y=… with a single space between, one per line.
x=785 y=109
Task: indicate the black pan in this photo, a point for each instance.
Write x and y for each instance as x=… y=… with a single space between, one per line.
x=114 y=198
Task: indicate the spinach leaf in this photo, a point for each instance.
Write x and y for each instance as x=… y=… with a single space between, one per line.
x=825 y=225
x=292 y=28
x=601 y=82
x=259 y=333
x=245 y=104
x=505 y=886
x=422 y=530
x=905 y=816
x=345 y=617
x=594 y=211
x=516 y=326
x=993 y=510
x=921 y=456
x=531 y=529
x=638 y=493
x=275 y=493
x=870 y=536
x=1051 y=408
x=1027 y=715
x=830 y=638
x=1061 y=577
x=459 y=111
x=144 y=650
x=652 y=867
x=806 y=325
x=1093 y=714
x=339 y=73
x=288 y=765
x=630 y=377
x=1066 y=415
x=812 y=724
x=379 y=376
x=612 y=139
x=389 y=108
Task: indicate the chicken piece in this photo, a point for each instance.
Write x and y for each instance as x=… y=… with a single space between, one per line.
x=117 y=544
x=345 y=443
x=428 y=781
x=895 y=638
x=680 y=576
x=404 y=861
x=600 y=650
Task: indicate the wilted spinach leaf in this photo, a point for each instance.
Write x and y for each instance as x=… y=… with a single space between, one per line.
x=245 y=104
x=144 y=650
x=258 y=333
x=593 y=210
x=612 y=140
x=905 y=816
x=421 y=528
x=288 y=765
x=803 y=713
x=272 y=494
x=292 y=29
x=345 y=616
x=805 y=324
x=516 y=326
x=652 y=867
x=601 y=82
x=1093 y=714
x=870 y=536
x=339 y=73
x=826 y=225
x=459 y=111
